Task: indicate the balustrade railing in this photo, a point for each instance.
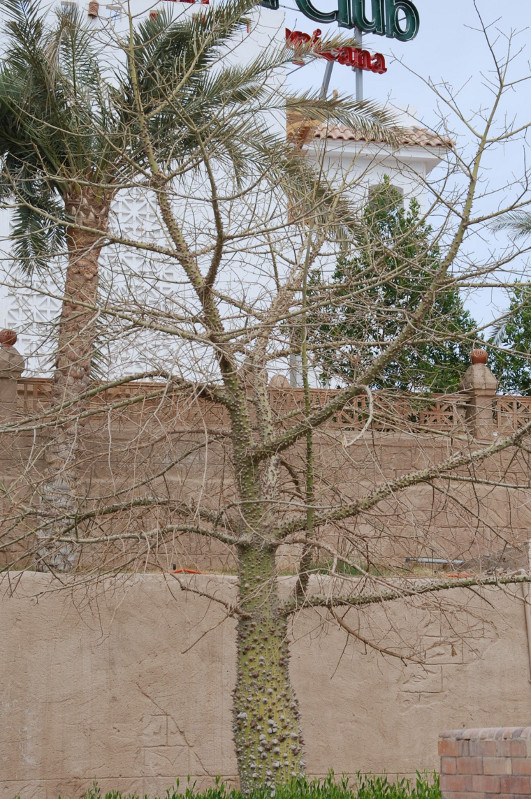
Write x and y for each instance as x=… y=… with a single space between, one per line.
x=384 y=411
x=387 y=410
x=511 y=413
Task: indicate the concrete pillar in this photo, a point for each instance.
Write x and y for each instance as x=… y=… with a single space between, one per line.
x=279 y=381
x=479 y=384
x=11 y=367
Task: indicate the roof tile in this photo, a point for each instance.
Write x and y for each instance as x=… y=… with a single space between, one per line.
x=410 y=136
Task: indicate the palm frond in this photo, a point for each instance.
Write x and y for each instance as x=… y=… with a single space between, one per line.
x=37 y=239
x=518 y=223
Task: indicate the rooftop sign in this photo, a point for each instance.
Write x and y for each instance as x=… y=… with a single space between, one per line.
x=351 y=56
x=397 y=19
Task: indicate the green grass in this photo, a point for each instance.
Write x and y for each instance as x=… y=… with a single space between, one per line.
x=365 y=787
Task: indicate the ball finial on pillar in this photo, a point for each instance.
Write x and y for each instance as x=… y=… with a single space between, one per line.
x=479 y=356
x=8 y=338
x=480 y=386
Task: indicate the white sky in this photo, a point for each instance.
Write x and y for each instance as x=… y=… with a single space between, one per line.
x=450 y=48
x=447 y=47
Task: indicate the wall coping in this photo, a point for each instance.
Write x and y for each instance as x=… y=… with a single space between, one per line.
x=487 y=734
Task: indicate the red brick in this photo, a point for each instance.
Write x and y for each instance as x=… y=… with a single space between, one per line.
x=448 y=765
x=470 y=765
x=497 y=765
x=485 y=748
x=453 y=748
x=517 y=785
x=511 y=748
x=484 y=784
x=462 y=795
x=521 y=765
x=518 y=748
x=456 y=782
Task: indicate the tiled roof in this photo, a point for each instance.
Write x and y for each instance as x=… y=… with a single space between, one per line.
x=412 y=136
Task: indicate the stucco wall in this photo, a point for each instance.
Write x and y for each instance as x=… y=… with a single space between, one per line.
x=130 y=682
x=169 y=447
x=459 y=520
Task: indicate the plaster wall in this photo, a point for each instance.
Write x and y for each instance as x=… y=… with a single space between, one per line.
x=455 y=520
x=129 y=682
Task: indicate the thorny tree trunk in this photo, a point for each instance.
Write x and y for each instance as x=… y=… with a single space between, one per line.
x=75 y=349
x=267 y=732
x=266 y=715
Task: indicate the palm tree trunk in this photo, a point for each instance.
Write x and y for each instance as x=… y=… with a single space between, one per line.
x=75 y=349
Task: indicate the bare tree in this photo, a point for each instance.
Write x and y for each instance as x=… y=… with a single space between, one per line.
x=270 y=477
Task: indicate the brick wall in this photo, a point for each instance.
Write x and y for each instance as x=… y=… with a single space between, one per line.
x=486 y=762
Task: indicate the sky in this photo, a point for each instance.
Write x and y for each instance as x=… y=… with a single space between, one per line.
x=449 y=48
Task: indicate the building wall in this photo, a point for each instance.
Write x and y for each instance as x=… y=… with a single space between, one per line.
x=129 y=682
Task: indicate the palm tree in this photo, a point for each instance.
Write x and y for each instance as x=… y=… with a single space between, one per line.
x=60 y=171
x=72 y=135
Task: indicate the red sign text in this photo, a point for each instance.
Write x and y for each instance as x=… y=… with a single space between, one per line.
x=350 y=56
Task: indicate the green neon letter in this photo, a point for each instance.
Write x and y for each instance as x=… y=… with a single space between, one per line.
x=310 y=11
x=344 y=14
x=403 y=29
x=376 y=24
